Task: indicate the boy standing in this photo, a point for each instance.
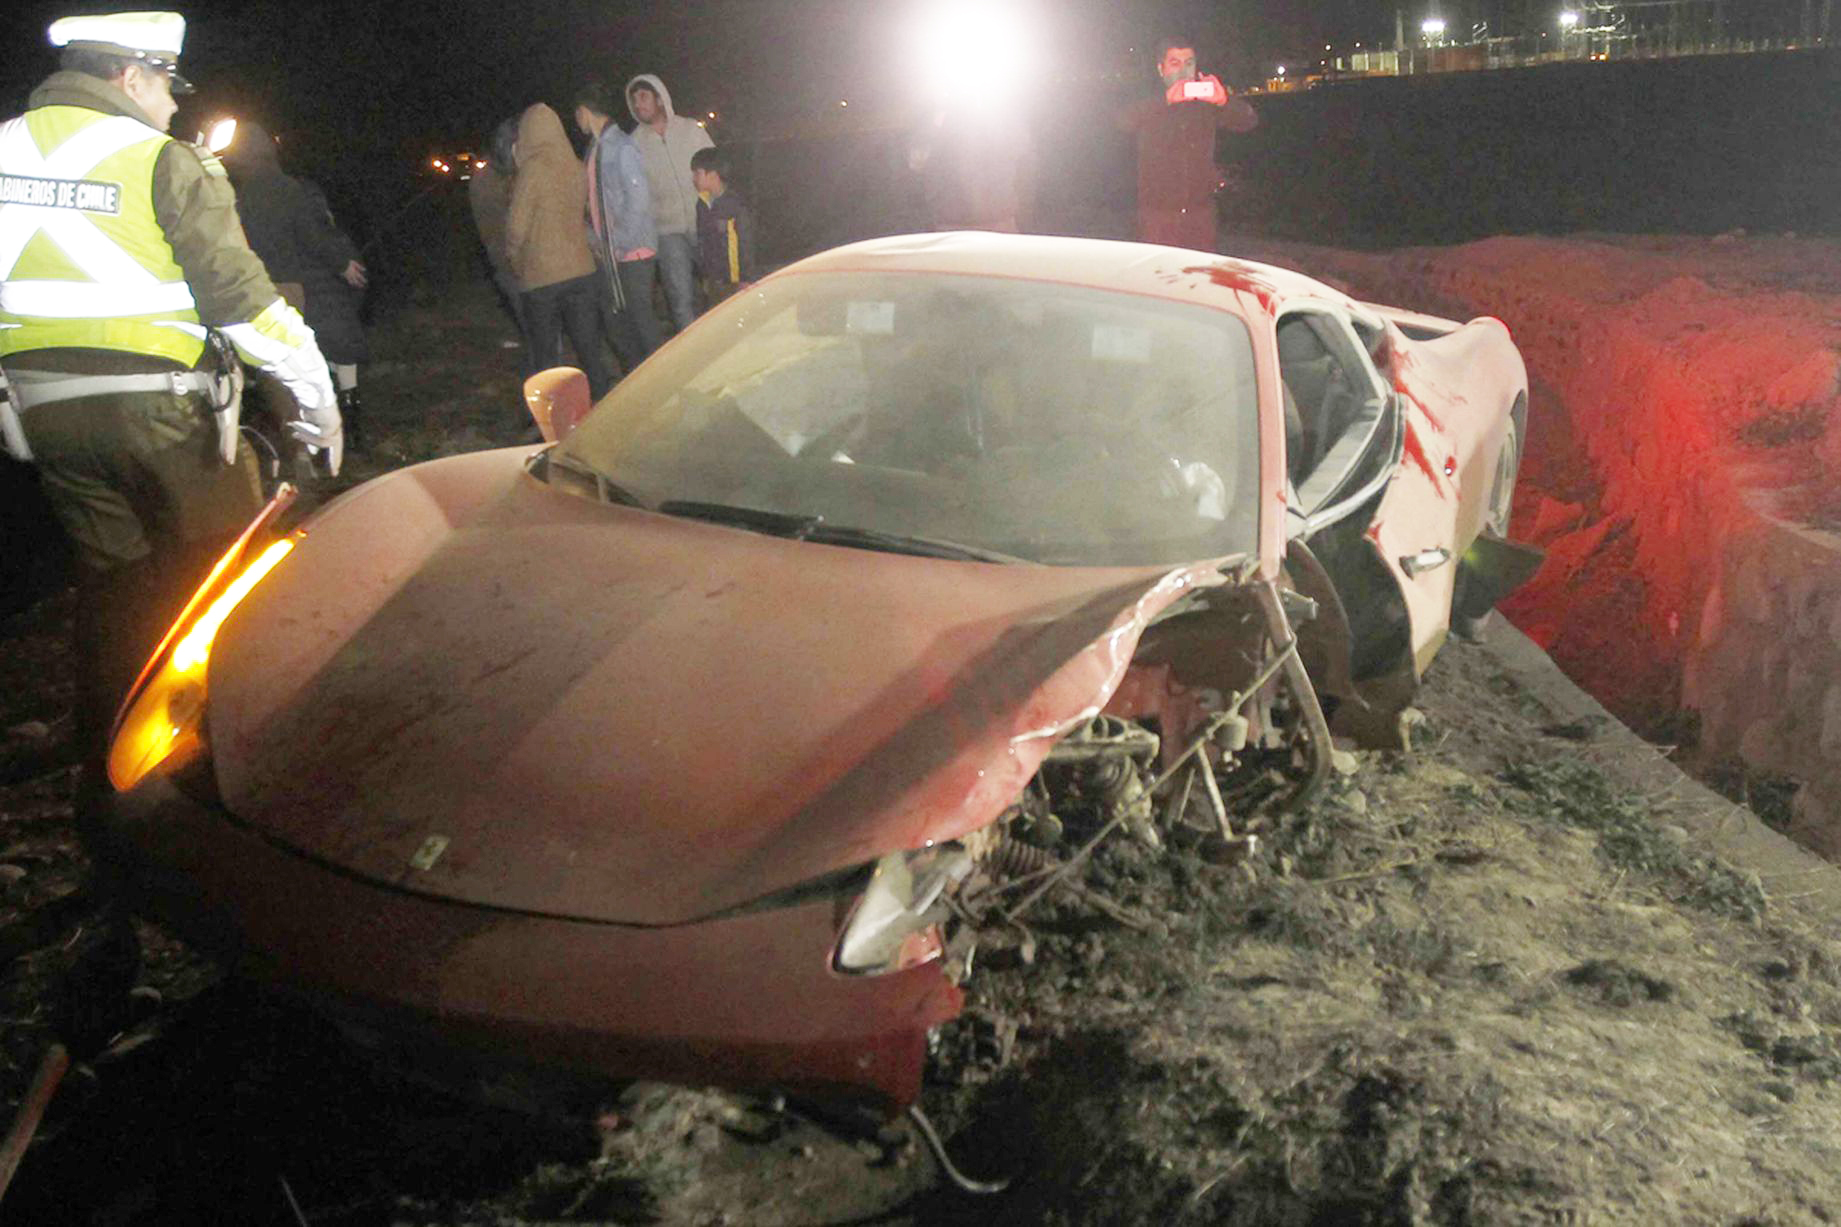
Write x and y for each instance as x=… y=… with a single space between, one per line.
x=725 y=229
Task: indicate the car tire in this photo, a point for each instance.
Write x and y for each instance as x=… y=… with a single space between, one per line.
x=1495 y=520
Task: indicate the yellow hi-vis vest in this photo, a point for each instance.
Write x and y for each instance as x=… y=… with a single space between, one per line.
x=83 y=261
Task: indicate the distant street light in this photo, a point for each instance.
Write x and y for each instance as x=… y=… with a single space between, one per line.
x=1281 y=70
x=1568 y=20
x=1433 y=27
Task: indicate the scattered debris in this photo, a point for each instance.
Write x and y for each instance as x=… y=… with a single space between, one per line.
x=1617 y=983
x=1585 y=728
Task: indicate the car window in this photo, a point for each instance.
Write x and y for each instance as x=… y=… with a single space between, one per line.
x=1335 y=406
x=1049 y=422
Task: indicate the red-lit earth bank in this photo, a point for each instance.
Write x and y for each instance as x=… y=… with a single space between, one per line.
x=1684 y=437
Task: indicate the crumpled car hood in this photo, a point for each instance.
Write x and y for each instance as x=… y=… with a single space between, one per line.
x=467 y=684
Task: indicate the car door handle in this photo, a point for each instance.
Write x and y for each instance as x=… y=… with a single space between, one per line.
x=1425 y=560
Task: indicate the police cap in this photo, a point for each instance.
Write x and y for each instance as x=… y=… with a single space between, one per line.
x=153 y=38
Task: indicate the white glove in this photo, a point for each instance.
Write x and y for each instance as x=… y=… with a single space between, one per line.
x=321 y=428
x=279 y=342
x=303 y=372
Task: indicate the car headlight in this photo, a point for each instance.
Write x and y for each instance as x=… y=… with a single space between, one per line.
x=164 y=712
x=896 y=923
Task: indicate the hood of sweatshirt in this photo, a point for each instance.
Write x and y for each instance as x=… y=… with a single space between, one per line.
x=540 y=131
x=656 y=86
x=253 y=149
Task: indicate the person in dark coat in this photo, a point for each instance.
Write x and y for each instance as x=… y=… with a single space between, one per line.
x=977 y=168
x=312 y=262
x=1177 y=174
x=489 y=196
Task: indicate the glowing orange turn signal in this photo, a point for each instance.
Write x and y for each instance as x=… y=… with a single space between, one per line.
x=164 y=714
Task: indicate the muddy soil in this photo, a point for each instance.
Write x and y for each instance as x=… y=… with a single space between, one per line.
x=1483 y=982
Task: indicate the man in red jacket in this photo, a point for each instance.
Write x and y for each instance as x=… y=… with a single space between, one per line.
x=1177 y=175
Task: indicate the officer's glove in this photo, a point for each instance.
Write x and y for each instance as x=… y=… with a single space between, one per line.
x=304 y=374
x=280 y=343
x=322 y=428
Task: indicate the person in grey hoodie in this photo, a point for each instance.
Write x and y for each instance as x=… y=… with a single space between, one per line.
x=667 y=140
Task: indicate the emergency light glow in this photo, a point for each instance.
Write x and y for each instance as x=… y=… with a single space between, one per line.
x=965 y=50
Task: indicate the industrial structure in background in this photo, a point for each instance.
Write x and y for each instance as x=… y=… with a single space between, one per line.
x=1484 y=34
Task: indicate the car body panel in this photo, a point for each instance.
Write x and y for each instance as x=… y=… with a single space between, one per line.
x=1455 y=394
x=598 y=712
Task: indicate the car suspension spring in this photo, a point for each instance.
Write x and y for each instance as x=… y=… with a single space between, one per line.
x=1013 y=858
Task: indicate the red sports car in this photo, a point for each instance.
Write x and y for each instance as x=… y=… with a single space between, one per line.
x=698 y=743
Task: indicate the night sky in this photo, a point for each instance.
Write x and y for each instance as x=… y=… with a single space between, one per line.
x=383 y=75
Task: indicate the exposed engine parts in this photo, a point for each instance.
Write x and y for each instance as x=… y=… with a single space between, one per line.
x=1202 y=766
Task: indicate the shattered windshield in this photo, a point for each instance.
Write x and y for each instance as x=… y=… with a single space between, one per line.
x=1052 y=423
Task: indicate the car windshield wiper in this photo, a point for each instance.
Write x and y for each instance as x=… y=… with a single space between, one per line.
x=773 y=523
x=901 y=543
x=812 y=527
x=608 y=490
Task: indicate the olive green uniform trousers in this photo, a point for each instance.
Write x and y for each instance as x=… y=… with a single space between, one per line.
x=137 y=481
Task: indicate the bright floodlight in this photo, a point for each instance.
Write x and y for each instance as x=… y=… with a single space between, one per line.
x=222 y=133
x=1568 y=19
x=966 y=50
x=1432 y=27
x=1281 y=70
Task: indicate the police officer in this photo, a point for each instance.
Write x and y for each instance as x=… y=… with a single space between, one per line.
x=125 y=285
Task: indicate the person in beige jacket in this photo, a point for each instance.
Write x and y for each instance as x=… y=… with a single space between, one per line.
x=546 y=240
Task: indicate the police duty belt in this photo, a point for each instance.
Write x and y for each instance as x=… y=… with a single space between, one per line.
x=47 y=387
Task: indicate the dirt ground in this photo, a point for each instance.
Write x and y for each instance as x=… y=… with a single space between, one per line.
x=1490 y=981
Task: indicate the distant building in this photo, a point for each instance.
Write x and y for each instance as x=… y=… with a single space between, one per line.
x=1471 y=35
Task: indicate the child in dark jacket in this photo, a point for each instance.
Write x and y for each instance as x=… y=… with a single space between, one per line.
x=725 y=228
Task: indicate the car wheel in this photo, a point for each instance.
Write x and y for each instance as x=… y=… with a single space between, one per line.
x=1464 y=623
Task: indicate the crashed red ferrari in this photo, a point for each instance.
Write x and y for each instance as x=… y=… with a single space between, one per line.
x=702 y=742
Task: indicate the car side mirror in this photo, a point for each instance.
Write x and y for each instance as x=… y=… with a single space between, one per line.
x=558 y=400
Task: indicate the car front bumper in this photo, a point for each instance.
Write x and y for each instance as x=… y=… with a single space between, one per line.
x=748 y=1001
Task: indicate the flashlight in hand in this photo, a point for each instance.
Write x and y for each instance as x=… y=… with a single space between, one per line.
x=222 y=133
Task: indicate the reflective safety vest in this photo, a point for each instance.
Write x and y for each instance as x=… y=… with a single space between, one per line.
x=83 y=261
